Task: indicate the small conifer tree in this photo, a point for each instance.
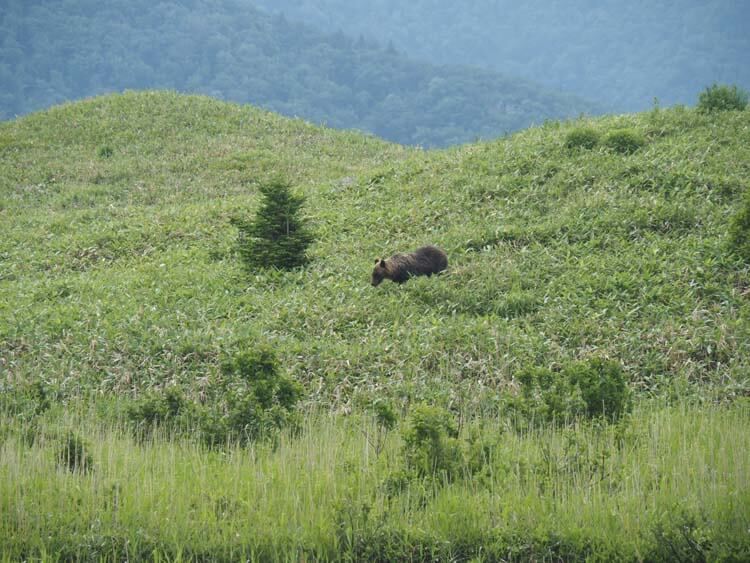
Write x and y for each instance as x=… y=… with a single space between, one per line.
x=278 y=236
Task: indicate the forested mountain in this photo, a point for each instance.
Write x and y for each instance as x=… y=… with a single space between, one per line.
x=52 y=51
x=620 y=53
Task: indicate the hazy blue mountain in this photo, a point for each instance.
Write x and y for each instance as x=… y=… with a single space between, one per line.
x=622 y=53
x=52 y=51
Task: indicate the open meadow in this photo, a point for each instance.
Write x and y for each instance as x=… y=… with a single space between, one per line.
x=574 y=386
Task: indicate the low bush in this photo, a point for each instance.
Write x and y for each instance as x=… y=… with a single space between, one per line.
x=254 y=400
x=721 y=97
x=435 y=454
x=602 y=385
x=167 y=409
x=25 y=401
x=582 y=138
x=624 y=141
x=595 y=388
x=431 y=446
x=26 y=404
x=544 y=397
x=385 y=421
x=250 y=401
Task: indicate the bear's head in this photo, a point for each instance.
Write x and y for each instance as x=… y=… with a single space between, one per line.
x=380 y=272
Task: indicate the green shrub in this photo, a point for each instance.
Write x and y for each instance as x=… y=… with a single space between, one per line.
x=602 y=385
x=682 y=535
x=163 y=409
x=25 y=404
x=385 y=421
x=545 y=397
x=431 y=446
x=254 y=402
x=250 y=401
x=591 y=389
x=739 y=230
x=720 y=97
x=106 y=152
x=73 y=455
x=25 y=401
x=624 y=141
x=385 y=416
x=278 y=237
x=582 y=138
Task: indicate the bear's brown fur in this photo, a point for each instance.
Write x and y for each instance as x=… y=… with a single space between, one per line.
x=424 y=261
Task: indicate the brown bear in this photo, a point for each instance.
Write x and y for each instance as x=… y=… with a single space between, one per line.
x=424 y=261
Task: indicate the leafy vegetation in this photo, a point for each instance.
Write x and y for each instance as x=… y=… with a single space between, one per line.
x=721 y=97
x=73 y=454
x=620 y=55
x=165 y=409
x=582 y=137
x=573 y=387
x=671 y=480
x=593 y=389
x=625 y=141
x=431 y=447
x=250 y=401
x=55 y=51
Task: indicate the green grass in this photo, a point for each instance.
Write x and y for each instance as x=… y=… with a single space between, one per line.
x=119 y=274
x=670 y=478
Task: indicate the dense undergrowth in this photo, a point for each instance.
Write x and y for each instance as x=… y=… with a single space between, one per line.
x=572 y=387
x=668 y=483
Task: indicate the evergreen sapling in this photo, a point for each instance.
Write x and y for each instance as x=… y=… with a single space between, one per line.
x=278 y=236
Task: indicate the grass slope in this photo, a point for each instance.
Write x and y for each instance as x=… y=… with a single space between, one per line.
x=118 y=273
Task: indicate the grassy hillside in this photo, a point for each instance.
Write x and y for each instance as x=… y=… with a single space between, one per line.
x=122 y=270
x=119 y=275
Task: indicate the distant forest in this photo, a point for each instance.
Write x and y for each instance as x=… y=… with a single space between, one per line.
x=622 y=54
x=53 y=51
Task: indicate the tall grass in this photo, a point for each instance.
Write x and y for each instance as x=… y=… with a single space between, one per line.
x=671 y=477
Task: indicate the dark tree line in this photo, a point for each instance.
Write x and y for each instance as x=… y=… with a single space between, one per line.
x=52 y=51
x=623 y=54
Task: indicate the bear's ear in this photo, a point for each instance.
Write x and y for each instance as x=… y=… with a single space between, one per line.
x=377 y=260
x=382 y=263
